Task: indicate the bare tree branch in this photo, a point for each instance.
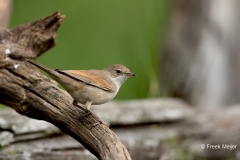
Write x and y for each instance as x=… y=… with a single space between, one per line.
x=30 y=93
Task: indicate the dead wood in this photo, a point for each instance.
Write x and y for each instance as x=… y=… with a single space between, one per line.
x=31 y=94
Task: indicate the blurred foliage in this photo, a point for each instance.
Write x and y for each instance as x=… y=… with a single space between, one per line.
x=96 y=34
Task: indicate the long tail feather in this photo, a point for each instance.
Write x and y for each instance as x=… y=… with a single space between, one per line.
x=44 y=68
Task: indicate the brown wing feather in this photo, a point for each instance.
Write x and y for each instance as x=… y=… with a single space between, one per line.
x=88 y=78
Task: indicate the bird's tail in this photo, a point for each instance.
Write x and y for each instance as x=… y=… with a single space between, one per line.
x=44 y=68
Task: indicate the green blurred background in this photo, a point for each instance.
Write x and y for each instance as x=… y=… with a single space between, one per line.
x=96 y=34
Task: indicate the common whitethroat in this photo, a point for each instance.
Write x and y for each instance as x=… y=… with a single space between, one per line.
x=90 y=86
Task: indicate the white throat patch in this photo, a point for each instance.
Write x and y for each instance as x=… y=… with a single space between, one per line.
x=120 y=80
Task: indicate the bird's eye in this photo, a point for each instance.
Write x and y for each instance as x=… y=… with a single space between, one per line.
x=118 y=71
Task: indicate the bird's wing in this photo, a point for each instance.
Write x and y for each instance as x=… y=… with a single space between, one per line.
x=89 y=78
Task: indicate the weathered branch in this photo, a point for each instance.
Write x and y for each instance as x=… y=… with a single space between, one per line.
x=30 y=93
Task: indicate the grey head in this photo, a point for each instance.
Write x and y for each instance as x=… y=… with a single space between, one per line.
x=119 y=73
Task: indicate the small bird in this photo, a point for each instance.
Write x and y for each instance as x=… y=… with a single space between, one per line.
x=90 y=86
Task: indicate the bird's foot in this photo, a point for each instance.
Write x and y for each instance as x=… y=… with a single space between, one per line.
x=99 y=121
x=76 y=104
x=88 y=113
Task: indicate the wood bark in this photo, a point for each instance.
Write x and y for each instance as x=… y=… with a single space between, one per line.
x=30 y=93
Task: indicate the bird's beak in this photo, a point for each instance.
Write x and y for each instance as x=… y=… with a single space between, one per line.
x=130 y=74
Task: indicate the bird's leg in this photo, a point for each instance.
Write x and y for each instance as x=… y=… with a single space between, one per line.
x=87 y=107
x=75 y=103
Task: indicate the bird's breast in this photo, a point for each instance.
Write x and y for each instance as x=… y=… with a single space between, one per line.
x=86 y=93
